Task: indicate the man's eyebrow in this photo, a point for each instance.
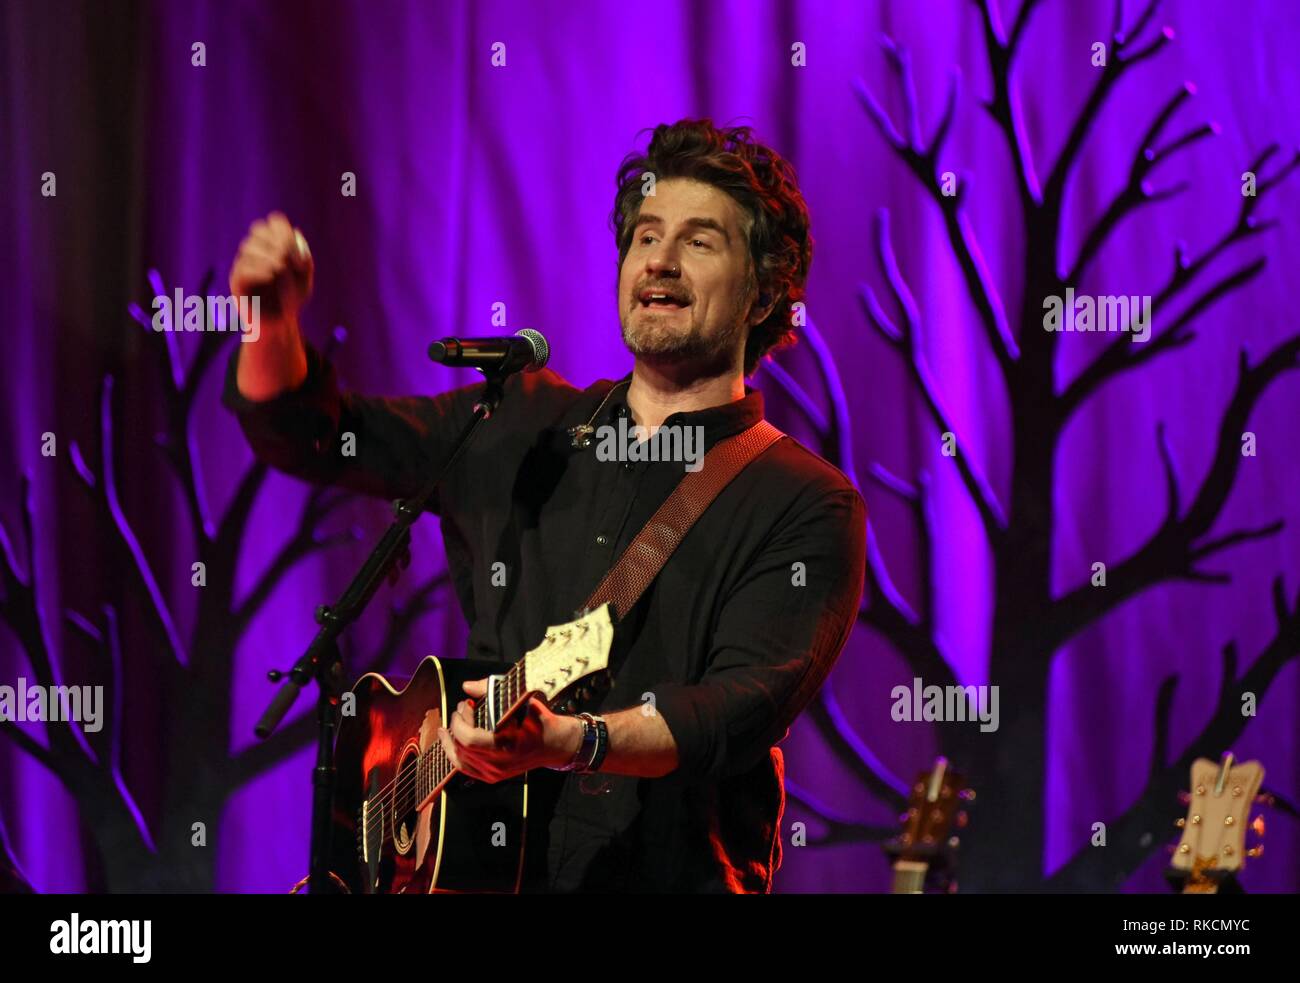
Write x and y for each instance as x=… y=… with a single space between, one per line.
x=698 y=222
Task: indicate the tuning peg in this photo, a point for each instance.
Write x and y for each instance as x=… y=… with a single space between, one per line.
x=1181 y=822
x=1170 y=849
x=962 y=819
x=1256 y=851
x=1265 y=799
x=968 y=794
x=1257 y=825
x=1184 y=798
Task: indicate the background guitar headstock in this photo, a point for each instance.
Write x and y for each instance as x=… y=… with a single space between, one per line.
x=1213 y=843
x=925 y=848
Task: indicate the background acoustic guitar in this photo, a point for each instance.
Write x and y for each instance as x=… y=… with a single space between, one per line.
x=925 y=850
x=1212 y=848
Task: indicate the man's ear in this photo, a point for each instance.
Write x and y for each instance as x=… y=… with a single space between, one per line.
x=762 y=307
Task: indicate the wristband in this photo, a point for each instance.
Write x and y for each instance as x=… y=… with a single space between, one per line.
x=602 y=745
x=586 y=750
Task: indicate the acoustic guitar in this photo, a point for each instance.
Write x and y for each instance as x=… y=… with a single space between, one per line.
x=405 y=820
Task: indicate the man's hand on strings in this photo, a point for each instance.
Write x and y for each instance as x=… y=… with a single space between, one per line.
x=534 y=737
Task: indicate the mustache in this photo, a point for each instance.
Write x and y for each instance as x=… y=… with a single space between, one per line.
x=673 y=291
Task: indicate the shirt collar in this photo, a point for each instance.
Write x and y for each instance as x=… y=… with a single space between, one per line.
x=718 y=422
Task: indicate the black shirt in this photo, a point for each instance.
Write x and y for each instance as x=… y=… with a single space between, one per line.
x=730 y=642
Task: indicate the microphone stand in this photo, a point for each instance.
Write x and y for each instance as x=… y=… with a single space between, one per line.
x=323 y=662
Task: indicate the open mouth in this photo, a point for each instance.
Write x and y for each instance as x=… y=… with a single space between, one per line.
x=663 y=300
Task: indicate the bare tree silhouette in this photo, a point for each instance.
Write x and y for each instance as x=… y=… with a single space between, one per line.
x=191 y=671
x=1030 y=625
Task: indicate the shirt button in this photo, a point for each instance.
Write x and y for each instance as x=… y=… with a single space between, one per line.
x=602 y=540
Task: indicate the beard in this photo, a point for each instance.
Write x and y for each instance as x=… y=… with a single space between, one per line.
x=655 y=337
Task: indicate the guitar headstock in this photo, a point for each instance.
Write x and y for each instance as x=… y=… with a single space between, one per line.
x=927 y=842
x=1213 y=843
x=569 y=654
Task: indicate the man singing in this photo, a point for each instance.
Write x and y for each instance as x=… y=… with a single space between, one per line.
x=743 y=624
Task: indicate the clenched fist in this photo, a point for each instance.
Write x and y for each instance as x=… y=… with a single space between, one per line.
x=274 y=264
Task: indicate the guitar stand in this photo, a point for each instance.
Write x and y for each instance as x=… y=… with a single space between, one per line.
x=323 y=662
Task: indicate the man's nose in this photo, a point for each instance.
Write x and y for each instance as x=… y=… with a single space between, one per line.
x=663 y=261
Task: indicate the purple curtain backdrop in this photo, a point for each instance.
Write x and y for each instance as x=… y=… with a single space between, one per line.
x=480 y=185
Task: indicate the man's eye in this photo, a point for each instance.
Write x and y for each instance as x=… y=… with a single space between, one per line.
x=699 y=242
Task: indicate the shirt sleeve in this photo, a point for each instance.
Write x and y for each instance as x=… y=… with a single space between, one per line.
x=386 y=446
x=776 y=641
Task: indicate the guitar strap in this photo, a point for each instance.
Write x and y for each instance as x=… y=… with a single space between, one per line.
x=646 y=555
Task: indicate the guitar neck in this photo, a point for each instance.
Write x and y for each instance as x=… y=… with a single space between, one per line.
x=909 y=876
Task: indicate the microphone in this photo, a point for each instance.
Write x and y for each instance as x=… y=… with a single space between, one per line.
x=525 y=349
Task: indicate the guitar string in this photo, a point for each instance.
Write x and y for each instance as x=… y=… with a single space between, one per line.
x=403 y=784
x=399 y=783
x=394 y=787
x=510 y=678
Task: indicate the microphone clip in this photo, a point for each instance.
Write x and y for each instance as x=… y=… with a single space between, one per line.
x=581 y=434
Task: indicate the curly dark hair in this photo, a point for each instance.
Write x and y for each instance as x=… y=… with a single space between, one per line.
x=762 y=183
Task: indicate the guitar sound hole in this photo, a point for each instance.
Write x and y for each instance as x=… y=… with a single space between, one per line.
x=404 y=801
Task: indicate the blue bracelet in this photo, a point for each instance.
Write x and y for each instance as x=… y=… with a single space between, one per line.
x=602 y=745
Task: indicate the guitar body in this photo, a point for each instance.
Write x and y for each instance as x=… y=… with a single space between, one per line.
x=465 y=836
